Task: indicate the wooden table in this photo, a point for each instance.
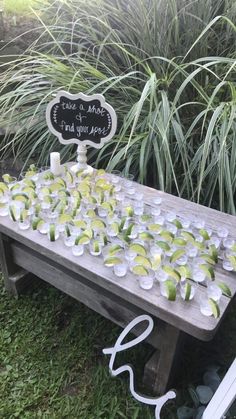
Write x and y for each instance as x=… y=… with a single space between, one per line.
x=87 y=280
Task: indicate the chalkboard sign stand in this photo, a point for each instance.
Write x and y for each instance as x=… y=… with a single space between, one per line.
x=82 y=161
x=83 y=120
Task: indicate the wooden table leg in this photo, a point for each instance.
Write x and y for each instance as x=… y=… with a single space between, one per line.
x=15 y=278
x=159 y=369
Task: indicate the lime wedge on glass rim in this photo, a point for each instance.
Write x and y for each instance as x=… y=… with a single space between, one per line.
x=52 y=232
x=187 y=291
x=142 y=260
x=170 y=290
x=214 y=307
x=138 y=248
x=140 y=270
x=111 y=261
x=12 y=212
x=114 y=249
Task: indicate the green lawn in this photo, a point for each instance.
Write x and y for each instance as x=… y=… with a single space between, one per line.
x=51 y=362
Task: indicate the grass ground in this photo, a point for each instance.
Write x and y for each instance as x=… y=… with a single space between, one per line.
x=51 y=365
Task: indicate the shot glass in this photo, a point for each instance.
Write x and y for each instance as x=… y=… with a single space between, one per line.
x=187 y=291
x=222 y=232
x=146 y=282
x=95 y=248
x=78 y=249
x=120 y=269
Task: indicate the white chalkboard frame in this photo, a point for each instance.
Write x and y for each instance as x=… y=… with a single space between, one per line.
x=86 y=98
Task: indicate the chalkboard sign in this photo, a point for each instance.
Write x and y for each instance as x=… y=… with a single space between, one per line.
x=81 y=119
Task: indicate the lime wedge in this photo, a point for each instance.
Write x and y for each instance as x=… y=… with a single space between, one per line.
x=98 y=224
x=96 y=246
x=145 y=235
x=208 y=258
x=22 y=197
x=3 y=187
x=129 y=229
x=163 y=245
x=214 y=253
x=80 y=224
x=69 y=177
x=204 y=234
x=145 y=218
x=142 y=260
x=64 y=218
x=55 y=187
x=35 y=222
x=84 y=187
x=30 y=183
x=184 y=271
x=91 y=213
x=23 y=215
x=167 y=235
x=12 y=212
x=15 y=186
x=177 y=223
x=187 y=290
x=138 y=248
x=107 y=205
x=232 y=260
x=154 y=227
x=30 y=192
x=173 y=273
x=122 y=223
x=129 y=211
x=209 y=271
x=104 y=238
x=82 y=239
x=189 y=237
x=61 y=182
x=67 y=231
x=225 y=289
x=7 y=178
x=101 y=172
x=45 y=191
x=89 y=232
x=52 y=231
x=215 y=308
x=115 y=227
x=177 y=255
x=140 y=270
x=156 y=262
x=170 y=290
x=113 y=250
x=111 y=261
x=178 y=241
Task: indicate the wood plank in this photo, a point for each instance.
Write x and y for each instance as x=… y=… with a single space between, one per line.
x=186 y=317
x=12 y=273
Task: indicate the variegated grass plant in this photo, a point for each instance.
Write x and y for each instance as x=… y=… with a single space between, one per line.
x=168 y=69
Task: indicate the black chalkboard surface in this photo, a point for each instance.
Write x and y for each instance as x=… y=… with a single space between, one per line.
x=81 y=119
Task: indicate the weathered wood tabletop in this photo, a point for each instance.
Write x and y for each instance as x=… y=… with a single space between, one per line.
x=120 y=299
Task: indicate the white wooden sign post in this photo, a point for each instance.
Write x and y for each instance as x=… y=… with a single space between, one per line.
x=83 y=120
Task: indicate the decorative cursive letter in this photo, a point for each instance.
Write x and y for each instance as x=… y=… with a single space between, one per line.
x=119 y=347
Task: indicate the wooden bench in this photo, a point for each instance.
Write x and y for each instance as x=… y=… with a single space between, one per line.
x=87 y=280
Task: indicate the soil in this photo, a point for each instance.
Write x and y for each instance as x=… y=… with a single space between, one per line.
x=16 y=33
